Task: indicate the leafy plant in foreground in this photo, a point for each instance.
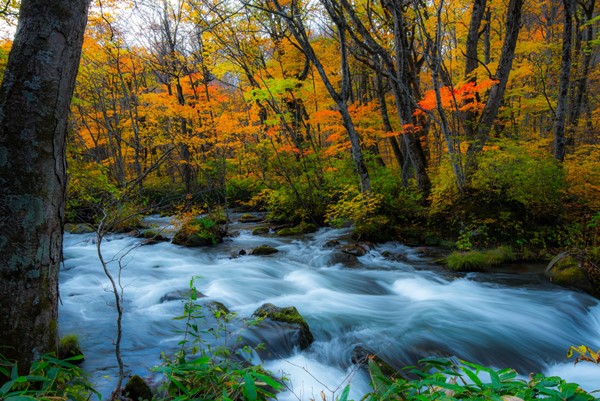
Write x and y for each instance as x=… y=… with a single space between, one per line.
x=49 y=379
x=201 y=371
x=442 y=379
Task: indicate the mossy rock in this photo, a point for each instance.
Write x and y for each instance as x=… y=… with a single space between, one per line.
x=264 y=250
x=343 y=258
x=260 y=231
x=302 y=228
x=218 y=308
x=79 y=228
x=249 y=218
x=362 y=356
x=201 y=231
x=137 y=389
x=153 y=235
x=288 y=315
x=474 y=261
x=68 y=347
x=568 y=273
x=358 y=249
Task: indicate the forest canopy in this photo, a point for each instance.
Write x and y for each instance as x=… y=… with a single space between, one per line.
x=445 y=118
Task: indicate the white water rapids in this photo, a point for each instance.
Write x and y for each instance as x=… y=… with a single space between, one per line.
x=402 y=310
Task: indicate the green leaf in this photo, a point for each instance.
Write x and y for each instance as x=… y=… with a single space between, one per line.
x=473 y=376
x=269 y=381
x=21 y=398
x=249 y=388
x=345 y=393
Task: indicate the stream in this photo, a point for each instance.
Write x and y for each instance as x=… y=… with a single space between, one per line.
x=403 y=308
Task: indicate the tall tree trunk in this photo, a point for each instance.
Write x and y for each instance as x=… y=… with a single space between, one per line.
x=496 y=95
x=471 y=62
x=563 y=90
x=34 y=104
x=387 y=125
x=579 y=88
x=297 y=28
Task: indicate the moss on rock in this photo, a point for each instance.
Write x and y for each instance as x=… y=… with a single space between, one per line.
x=264 y=250
x=137 y=389
x=260 y=231
x=201 y=231
x=302 y=228
x=479 y=260
x=68 y=347
x=289 y=315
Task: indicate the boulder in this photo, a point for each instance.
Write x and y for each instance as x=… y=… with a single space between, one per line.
x=218 y=308
x=361 y=356
x=395 y=256
x=302 y=228
x=179 y=295
x=260 y=231
x=343 y=258
x=151 y=237
x=264 y=250
x=249 y=218
x=289 y=315
x=330 y=244
x=358 y=249
x=201 y=231
x=137 y=389
x=83 y=228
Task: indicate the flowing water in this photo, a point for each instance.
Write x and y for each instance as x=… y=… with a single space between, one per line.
x=402 y=309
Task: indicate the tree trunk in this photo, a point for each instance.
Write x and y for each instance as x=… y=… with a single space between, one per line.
x=472 y=61
x=34 y=104
x=299 y=31
x=492 y=105
x=563 y=90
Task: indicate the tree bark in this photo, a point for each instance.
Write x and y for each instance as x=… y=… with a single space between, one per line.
x=563 y=90
x=492 y=105
x=34 y=105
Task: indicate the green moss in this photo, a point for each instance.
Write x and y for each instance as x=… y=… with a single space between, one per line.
x=571 y=276
x=263 y=250
x=479 y=260
x=68 y=347
x=466 y=261
x=302 y=228
x=289 y=315
x=260 y=231
x=201 y=231
x=137 y=389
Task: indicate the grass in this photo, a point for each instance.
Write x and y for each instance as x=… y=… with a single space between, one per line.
x=479 y=260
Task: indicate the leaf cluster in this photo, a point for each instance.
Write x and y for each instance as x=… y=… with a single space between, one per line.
x=446 y=379
x=50 y=378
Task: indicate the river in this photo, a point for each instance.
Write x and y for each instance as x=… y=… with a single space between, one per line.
x=402 y=308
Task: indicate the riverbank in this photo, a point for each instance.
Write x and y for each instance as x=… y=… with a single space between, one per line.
x=402 y=309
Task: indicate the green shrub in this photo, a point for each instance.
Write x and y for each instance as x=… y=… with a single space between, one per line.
x=515 y=196
x=240 y=190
